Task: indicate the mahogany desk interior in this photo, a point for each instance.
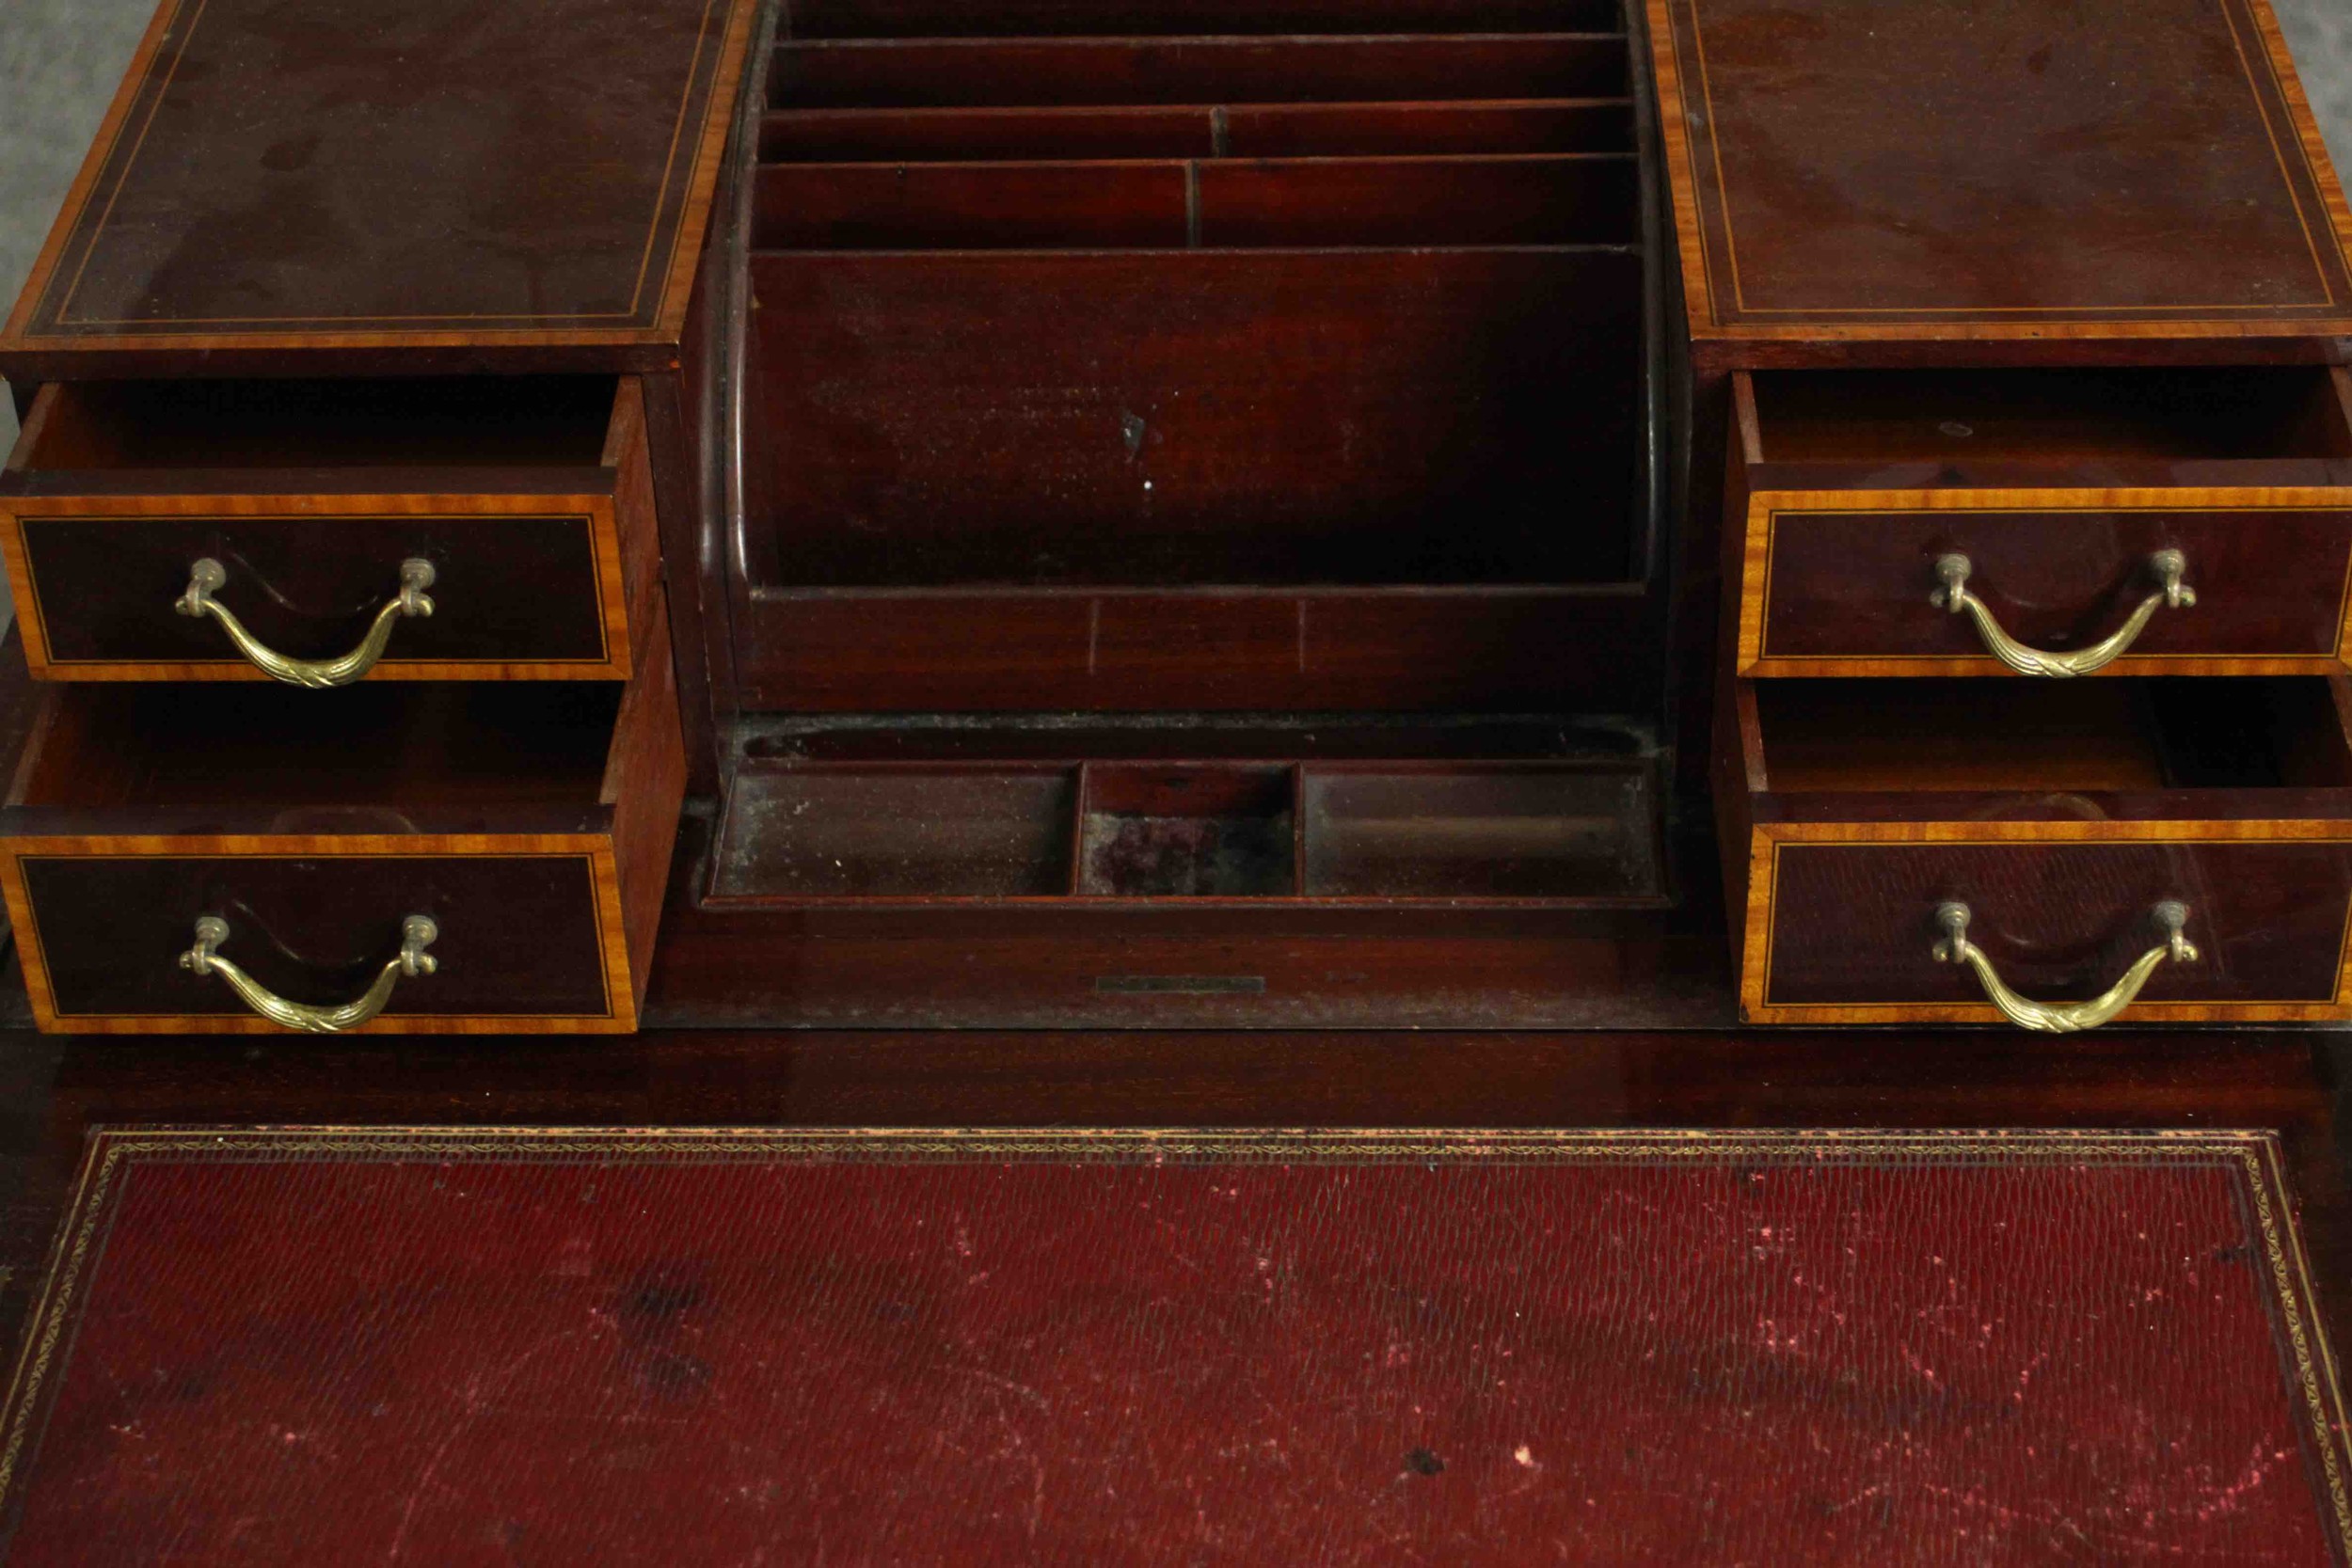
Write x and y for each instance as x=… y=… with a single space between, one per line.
x=1338 y=515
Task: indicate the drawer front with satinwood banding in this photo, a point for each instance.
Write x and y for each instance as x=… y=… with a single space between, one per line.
x=427 y=857
x=2045 y=522
x=332 y=532
x=521 y=936
x=1843 y=918
x=2051 y=854
x=1860 y=583
x=515 y=595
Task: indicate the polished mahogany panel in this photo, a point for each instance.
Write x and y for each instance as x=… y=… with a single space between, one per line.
x=943 y=73
x=340 y=1345
x=1199 y=131
x=1354 y=130
x=1531 y=650
x=1572 y=198
x=814 y=19
x=995 y=206
x=1196 y=416
x=281 y=170
x=1910 y=165
x=519 y=933
x=1854 y=924
x=1575 y=199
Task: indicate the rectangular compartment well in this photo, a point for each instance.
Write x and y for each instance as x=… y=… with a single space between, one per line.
x=937 y=830
x=1504 y=831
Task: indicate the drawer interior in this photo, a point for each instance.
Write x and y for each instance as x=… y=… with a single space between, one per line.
x=2200 y=414
x=829 y=813
x=2115 y=735
x=425 y=745
x=429 y=422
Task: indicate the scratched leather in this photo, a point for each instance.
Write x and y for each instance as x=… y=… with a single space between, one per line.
x=1462 y=1362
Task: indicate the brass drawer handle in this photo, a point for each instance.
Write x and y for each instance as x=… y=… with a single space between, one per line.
x=2061 y=1018
x=2166 y=566
x=206 y=576
x=417 y=933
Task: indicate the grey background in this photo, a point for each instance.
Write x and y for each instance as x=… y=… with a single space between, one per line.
x=61 y=59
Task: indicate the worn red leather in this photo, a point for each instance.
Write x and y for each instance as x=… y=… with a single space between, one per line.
x=450 y=1347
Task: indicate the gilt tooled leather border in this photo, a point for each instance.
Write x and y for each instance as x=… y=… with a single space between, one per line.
x=2255 y=1156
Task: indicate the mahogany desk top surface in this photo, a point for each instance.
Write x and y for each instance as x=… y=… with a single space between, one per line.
x=519 y=180
x=1896 y=170
x=56 y=1088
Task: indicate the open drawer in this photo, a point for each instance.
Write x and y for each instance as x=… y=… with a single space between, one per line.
x=2044 y=522
x=321 y=533
x=430 y=858
x=2061 y=854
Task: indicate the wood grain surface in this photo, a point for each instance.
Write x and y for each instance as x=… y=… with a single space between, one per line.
x=1993 y=204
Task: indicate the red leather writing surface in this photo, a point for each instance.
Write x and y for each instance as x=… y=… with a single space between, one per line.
x=439 y=1348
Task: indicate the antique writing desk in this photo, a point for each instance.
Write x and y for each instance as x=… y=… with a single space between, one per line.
x=1327 y=513
x=1043 y=514
x=1060 y=563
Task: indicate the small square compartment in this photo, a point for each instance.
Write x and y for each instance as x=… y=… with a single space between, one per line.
x=1203 y=830
x=915 y=829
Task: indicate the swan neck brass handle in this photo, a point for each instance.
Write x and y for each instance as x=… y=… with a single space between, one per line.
x=2168 y=567
x=417 y=933
x=208 y=576
x=2063 y=1018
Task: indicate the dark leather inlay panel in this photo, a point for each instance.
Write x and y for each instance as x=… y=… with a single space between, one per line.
x=1349 y=1349
x=518 y=932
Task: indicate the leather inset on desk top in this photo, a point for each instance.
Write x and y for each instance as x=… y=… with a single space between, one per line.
x=432 y=1346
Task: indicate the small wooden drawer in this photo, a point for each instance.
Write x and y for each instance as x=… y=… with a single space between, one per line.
x=529 y=826
x=2071 y=822
x=423 y=530
x=2119 y=522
